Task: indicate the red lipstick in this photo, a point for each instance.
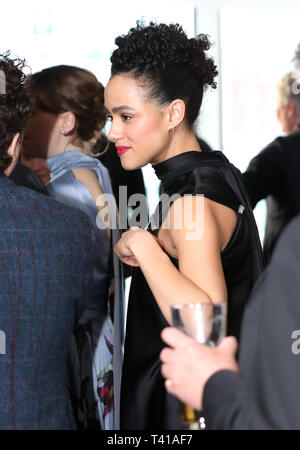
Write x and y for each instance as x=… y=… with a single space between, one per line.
x=121 y=150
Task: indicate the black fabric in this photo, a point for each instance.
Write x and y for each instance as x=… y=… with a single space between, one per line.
x=144 y=401
x=266 y=394
x=23 y=176
x=274 y=174
x=80 y=387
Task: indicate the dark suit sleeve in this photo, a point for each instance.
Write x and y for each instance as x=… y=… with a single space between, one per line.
x=264 y=172
x=85 y=244
x=266 y=395
x=222 y=399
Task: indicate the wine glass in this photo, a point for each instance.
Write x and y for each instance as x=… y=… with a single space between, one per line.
x=207 y=323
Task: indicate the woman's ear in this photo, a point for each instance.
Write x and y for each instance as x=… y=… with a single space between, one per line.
x=176 y=113
x=14 y=152
x=291 y=109
x=67 y=122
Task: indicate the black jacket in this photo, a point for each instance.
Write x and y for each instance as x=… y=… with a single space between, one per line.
x=274 y=174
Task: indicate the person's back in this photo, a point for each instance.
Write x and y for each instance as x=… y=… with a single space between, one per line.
x=45 y=279
x=273 y=173
x=279 y=182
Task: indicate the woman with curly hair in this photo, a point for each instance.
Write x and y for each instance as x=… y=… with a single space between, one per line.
x=67 y=120
x=158 y=77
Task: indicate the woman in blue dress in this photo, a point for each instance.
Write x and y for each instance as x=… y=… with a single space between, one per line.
x=68 y=118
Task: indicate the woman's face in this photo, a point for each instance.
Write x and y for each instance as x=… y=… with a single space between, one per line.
x=139 y=127
x=39 y=135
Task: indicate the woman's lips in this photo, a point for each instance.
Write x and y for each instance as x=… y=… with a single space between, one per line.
x=121 y=150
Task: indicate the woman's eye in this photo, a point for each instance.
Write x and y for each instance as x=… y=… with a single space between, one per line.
x=126 y=117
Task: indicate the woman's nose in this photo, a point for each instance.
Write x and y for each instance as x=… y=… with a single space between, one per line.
x=115 y=132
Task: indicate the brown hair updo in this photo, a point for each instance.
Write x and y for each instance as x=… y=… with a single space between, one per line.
x=59 y=89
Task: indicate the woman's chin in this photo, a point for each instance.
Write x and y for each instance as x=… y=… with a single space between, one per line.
x=130 y=165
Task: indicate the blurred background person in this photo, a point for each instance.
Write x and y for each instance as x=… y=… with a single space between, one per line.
x=68 y=117
x=45 y=277
x=274 y=173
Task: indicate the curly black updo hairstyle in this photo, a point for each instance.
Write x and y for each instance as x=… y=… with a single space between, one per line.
x=15 y=105
x=172 y=65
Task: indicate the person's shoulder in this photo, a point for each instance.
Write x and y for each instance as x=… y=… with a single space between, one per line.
x=287 y=250
x=92 y=171
x=48 y=208
x=23 y=176
x=80 y=160
x=214 y=163
x=273 y=152
x=94 y=164
x=292 y=230
x=289 y=141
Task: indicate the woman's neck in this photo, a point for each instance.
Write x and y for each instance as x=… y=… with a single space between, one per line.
x=182 y=141
x=65 y=146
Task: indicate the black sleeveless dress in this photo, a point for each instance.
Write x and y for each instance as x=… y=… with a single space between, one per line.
x=145 y=404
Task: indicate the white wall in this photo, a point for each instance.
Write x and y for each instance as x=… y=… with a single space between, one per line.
x=254 y=41
x=208 y=21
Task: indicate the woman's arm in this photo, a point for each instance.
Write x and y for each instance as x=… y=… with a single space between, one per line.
x=200 y=276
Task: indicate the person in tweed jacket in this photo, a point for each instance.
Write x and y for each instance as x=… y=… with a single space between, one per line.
x=45 y=279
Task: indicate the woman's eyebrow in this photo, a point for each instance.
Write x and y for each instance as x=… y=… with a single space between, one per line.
x=120 y=108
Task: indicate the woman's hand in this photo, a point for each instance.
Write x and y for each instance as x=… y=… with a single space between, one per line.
x=129 y=243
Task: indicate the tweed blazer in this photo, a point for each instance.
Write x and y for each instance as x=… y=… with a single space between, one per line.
x=45 y=279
